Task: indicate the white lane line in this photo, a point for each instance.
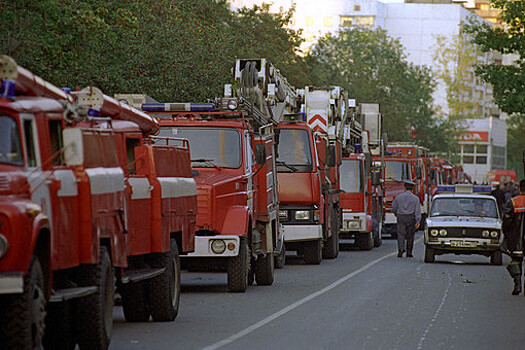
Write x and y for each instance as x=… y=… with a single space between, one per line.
x=295 y=305
x=436 y=314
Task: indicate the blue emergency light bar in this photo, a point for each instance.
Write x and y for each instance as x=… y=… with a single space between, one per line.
x=464 y=188
x=178 y=107
x=7 y=88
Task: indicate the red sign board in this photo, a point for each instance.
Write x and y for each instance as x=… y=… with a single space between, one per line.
x=475 y=136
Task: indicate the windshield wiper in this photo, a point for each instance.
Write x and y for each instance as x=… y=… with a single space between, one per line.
x=206 y=161
x=280 y=162
x=392 y=179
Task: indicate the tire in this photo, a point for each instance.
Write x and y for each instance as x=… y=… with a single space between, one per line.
x=22 y=323
x=134 y=302
x=238 y=269
x=94 y=316
x=264 y=269
x=365 y=241
x=331 y=248
x=313 y=252
x=429 y=255
x=164 y=290
x=60 y=327
x=280 y=260
x=496 y=258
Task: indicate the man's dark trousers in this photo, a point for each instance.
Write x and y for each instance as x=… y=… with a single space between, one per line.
x=406 y=228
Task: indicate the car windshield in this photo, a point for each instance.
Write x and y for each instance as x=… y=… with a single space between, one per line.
x=210 y=147
x=396 y=170
x=10 y=143
x=482 y=207
x=294 y=150
x=351 y=176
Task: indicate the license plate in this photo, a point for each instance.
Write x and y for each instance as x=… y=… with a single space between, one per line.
x=462 y=244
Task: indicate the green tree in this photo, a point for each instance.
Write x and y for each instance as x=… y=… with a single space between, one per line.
x=508 y=81
x=373 y=68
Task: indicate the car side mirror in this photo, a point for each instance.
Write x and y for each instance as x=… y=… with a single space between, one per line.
x=260 y=153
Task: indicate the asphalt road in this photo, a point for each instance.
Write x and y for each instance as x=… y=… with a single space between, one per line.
x=361 y=300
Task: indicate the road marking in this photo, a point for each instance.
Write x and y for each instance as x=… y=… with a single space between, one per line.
x=295 y=305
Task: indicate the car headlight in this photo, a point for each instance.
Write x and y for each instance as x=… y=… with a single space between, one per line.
x=434 y=232
x=494 y=234
x=283 y=214
x=218 y=246
x=302 y=215
x=4 y=245
x=443 y=232
x=485 y=233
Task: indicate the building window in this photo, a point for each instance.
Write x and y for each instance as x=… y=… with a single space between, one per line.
x=328 y=22
x=468 y=160
x=481 y=149
x=365 y=21
x=481 y=160
x=468 y=148
x=357 y=7
x=347 y=21
x=308 y=21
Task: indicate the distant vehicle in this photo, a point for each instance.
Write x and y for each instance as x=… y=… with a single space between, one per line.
x=463 y=222
x=502 y=176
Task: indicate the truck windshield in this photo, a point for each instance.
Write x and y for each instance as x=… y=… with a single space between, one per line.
x=482 y=207
x=210 y=147
x=10 y=143
x=396 y=171
x=293 y=152
x=352 y=176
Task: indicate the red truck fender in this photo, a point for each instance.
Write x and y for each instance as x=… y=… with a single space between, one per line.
x=236 y=221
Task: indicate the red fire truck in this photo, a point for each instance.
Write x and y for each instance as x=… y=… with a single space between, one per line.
x=308 y=163
x=362 y=196
x=161 y=205
x=233 y=157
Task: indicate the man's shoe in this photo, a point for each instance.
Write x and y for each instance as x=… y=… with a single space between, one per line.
x=409 y=255
x=517 y=285
x=400 y=253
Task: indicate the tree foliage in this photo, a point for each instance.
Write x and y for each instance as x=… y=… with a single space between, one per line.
x=172 y=50
x=373 y=68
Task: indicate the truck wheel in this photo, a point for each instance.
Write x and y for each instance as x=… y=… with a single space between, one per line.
x=313 y=252
x=95 y=312
x=60 y=326
x=264 y=268
x=22 y=323
x=164 y=290
x=134 y=302
x=280 y=260
x=364 y=241
x=238 y=269
x=429 y=255
x=330 y=250
x=496 y=258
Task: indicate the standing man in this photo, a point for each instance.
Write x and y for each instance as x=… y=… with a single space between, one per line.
x=498 y=193
x=513 y=227
x=407 y=210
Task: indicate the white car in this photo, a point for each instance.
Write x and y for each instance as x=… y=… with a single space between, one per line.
x=461 y=223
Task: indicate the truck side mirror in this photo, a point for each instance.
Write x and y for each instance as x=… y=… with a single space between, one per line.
x=418 y=173
x=260 y=153
x=73 y=146
x=375 y=177
x=331 y=157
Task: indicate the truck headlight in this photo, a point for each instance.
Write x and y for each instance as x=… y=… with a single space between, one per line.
x=283 y=214
x=443 y=232
x=434 y=232
x=4 y=245
x=485 y=233
x=494 y=234
x=218 y=246
x=354 y=224
x=302 y=215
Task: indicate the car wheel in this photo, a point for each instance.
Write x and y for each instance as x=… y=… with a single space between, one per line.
x=429 y=255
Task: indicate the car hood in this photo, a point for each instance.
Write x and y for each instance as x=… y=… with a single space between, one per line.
x=463 y=221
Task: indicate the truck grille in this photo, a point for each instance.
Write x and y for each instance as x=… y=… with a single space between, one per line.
x=204 y=206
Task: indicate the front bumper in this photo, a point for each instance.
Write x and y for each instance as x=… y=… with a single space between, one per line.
x=203 y=247
x=11 y=282
x=464 y=244
x=354 y=222
x=296 y=233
